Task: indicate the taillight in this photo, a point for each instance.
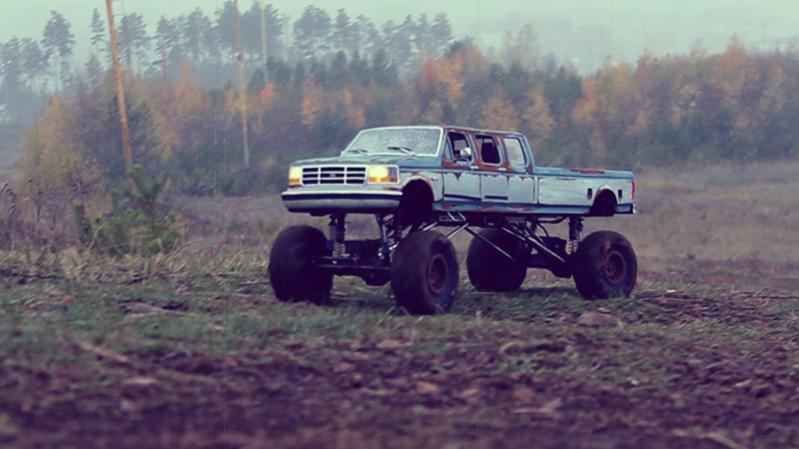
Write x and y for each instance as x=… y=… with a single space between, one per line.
x=635 y=190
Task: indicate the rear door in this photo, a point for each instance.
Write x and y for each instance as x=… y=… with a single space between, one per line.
x=521 y=182
x=461 y=179
x=493 y=170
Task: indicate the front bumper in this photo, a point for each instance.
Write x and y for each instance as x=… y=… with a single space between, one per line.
x=318 y=201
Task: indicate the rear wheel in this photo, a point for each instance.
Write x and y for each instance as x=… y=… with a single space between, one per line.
x=605 y=266
x=491 y=271
x=424 y=273
x=292 y=272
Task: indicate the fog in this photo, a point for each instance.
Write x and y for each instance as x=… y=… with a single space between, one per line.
x=566 y=28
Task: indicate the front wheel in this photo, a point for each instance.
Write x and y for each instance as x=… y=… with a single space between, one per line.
x=424 y=273
x=292 y=270
x=605 y=266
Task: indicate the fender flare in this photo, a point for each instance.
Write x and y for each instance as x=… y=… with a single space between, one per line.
x=601 y=191
x=437 y=191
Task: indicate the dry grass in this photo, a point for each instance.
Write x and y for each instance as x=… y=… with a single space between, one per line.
x=192 y=350
x=704 y=224
x=718 y=213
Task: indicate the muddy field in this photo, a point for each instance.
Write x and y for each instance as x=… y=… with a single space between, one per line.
x=192 y=351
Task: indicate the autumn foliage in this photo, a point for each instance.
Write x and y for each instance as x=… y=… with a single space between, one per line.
x=737 y=105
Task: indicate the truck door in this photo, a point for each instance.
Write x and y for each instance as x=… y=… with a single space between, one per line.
x=521 y=181
x=461 y=180
x=493 y=172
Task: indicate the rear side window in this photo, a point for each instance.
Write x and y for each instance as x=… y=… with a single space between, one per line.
x=515 y=151
x=489 y=151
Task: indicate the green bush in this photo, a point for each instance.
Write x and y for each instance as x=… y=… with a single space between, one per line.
x=140 y=227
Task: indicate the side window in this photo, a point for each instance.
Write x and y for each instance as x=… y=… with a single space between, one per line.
x=515 y=151
x=457 y=142
x=489 y=151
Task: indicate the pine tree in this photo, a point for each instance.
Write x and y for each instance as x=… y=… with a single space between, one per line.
x=135 y=38
x=34 y=61
x=168 y=38
x=11 y=69
x=383 y=71
x=58 y=42
x=398 y=42
x=194 y=29
x=369 y=38
x=98 y=35
x=312 y=33
x=424 y=39
x=442 y=34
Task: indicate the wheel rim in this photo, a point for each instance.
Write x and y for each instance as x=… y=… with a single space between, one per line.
x=437 y=274
x=615 y=267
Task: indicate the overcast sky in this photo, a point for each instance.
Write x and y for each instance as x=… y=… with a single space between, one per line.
x=633 y=24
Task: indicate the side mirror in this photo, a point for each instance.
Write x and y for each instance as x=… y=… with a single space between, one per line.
x=465 y=155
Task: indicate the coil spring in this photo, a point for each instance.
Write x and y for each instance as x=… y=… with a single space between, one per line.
x=573 y=245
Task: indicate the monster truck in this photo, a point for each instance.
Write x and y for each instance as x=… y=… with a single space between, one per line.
x=417 y=179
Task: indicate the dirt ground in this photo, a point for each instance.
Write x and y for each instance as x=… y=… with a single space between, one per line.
x=192 y=351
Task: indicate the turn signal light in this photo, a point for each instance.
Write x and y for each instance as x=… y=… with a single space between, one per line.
x=295 y=176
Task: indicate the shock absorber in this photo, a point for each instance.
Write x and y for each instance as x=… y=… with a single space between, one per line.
x=575 y=233
x=383 y=227
x=336 y=235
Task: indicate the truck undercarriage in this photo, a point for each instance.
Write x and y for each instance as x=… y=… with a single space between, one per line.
x=422 y=267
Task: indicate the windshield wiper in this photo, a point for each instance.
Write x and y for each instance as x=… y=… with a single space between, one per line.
x=402 y=149
x=357 y=151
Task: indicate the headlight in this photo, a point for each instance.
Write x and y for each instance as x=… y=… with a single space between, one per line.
x=381 y=174
x=295 y=176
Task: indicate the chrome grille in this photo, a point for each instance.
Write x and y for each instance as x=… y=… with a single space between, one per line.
x=333 y=174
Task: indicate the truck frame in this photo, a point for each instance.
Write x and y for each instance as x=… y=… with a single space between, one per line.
x=421 y=179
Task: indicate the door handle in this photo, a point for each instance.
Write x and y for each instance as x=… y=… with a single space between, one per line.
x=473 y=167
x=503 y=170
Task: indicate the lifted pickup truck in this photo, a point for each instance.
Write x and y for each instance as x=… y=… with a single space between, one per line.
x=418 y=178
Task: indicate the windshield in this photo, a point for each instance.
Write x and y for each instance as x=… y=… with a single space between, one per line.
x=399 y=140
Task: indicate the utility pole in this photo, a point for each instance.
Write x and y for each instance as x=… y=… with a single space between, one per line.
x=242 y=88
x=127 y=150
x=264 y=55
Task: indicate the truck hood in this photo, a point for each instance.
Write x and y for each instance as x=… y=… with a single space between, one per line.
x=401 y=160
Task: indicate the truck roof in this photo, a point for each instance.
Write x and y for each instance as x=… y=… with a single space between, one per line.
x=467 y=129
x=479 y=130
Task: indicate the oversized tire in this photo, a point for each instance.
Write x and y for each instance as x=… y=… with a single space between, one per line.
x=424 y=273
x=491 y=271
x=605 y=266
x=292 y=272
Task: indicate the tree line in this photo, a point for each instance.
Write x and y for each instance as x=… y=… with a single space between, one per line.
x=32 y=67
x=312 y=98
